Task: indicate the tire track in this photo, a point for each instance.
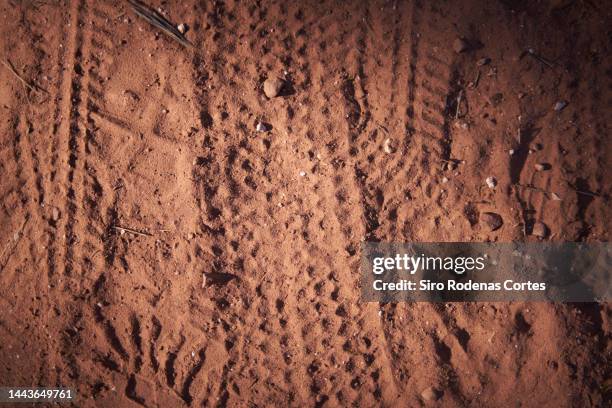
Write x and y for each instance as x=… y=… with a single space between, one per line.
x=229 y=167
x=417 y=140
x=131 y=354
x=74 y=132
x=36 y=153
x=334 y=239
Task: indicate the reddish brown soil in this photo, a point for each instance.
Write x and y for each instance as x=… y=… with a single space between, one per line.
x=134 y=130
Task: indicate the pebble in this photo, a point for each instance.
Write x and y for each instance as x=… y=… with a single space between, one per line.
x=182 y=28
x=460 y=45
x=302 y=173
x=431 y=394
x=491 y=182
x=511 y=152
x=272 y=86
x=539 y=230
x=389 y=146
x=492 y=220
x=55 y=214
x=559 y=106
x=541 y=166
x=262 y=127
x=483 y=61
x=537 y=147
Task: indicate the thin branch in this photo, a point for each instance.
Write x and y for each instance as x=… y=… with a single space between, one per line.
x=7 y=63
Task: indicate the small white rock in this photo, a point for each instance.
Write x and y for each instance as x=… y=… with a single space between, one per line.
x=261 y=127
x=559 y=106
x=540 y=230
x=302 y=173
x=491 y=182
x=389 y=146
x=182 y=28
x=540 y=167
x=460 y=45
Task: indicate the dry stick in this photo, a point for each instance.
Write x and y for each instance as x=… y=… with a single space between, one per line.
x=588 y=193
x=7 y=63
x=474 y=83
x=16 y=234
x=553 y=195
x=159 y=21
x=543 y=60
x=133 y=231
x=458 y=103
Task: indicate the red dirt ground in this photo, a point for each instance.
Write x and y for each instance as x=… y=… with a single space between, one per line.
x=243 y=291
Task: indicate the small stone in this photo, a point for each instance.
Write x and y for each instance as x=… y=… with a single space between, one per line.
x=461 y=124
x=182 y=28
x=272 y=86
x=511 y=152
x=263 y=127
x=537 y=147
x=460 y=45
x=483 y=61
x=444 y=180
x=55 y=214
x=541 y=166
x=492 y=220
x=539 y=230
x=302 y=173
x=559 y=106
x=389 y=146
x=431 y=394
x=491 y=182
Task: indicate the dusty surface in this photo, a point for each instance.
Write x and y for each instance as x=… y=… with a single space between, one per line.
x=244 y=289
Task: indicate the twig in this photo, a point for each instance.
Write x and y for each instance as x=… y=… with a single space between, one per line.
x=587 y=193
x=543 y=60
x=133 y=231
x=458 y=103
x=474 y=83
x=159 y=21
x=7 y=63
x=553 y=196
x=16 y=238
x=454 y=161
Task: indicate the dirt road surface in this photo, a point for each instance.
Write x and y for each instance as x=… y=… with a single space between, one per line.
x=158 y=250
